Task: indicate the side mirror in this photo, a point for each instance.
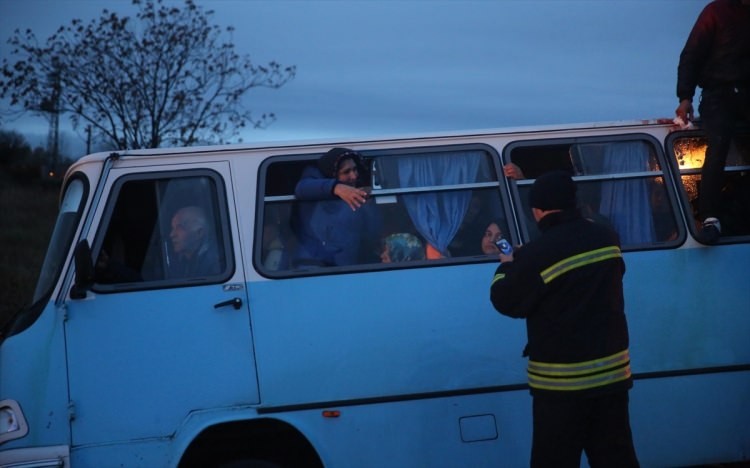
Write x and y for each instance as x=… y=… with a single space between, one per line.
x=84 y=270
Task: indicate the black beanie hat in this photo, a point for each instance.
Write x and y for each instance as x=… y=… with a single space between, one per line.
x=553 y=191
x=329 y=163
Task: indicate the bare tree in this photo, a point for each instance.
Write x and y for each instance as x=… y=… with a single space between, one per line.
x=167 y=78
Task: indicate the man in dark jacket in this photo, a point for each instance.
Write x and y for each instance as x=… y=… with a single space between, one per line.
x=716 y=57
x=567 y=284
x=335 y=223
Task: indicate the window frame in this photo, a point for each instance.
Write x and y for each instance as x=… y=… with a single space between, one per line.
x=494 y=170
x=685 y=204
x=220 y=217
x=524 y=222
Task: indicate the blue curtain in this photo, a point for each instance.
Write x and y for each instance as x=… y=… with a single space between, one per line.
x=627 y=202
x=437 y=216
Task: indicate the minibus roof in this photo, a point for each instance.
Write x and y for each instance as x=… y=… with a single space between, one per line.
x=360 y=140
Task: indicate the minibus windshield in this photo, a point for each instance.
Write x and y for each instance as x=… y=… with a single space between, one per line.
x=65 y=227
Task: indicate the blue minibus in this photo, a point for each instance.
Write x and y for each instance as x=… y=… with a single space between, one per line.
x=262 y=361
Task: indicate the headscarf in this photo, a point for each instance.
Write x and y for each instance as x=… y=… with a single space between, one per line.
x=403 y=247
x=330 y=162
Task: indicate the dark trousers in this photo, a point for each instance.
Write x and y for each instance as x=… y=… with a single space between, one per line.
x=720 y=109
x=565 y=427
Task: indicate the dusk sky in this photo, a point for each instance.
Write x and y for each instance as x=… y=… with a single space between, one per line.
x=385 y=68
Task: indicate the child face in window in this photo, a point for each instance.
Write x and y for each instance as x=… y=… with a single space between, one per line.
x=385 y=255
x=491 y=235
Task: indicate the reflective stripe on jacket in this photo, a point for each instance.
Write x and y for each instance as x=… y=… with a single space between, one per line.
x=580 y=260
x=580 y=375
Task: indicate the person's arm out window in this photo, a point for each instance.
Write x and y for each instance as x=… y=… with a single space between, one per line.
x=313 y=186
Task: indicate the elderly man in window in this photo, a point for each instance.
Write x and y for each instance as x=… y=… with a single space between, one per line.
x=195 y=252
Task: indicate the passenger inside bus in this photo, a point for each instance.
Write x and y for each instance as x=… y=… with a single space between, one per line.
x=492 y=233
x=475 y=227
x=402 y=247
x=195 y=252
x=335 y=221
x=513 y=171
x=277 y=241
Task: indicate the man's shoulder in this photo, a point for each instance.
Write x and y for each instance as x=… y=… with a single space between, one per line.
x=208 y=260
x=597 y=229
x=581 y=232
x=722 y=8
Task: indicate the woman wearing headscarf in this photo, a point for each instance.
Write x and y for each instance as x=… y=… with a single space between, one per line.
x=336 y=223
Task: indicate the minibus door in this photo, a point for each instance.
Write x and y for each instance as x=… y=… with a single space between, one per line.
x=144 y=356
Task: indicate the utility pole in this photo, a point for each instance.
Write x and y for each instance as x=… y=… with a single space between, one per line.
x=88 y=139
x=51 y=106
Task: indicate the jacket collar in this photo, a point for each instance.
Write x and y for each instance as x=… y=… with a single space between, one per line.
x=560 y=217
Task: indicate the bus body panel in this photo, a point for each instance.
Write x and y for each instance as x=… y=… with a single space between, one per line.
x=691 y=420
x=34 y=363
x=681 y=317
x=466 y=345
x=143 y=374
x=483 y=430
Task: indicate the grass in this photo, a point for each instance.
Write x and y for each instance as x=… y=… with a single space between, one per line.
x=27 y=216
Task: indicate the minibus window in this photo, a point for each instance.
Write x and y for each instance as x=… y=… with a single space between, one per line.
x=620 y=183
x=735 y=206
x=65 y=226
x=436 y=202
x=433 y=169
x=162 y=231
